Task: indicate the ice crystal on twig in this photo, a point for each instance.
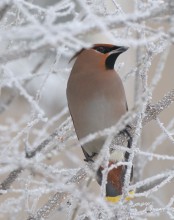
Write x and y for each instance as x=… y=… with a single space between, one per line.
x=42 y=174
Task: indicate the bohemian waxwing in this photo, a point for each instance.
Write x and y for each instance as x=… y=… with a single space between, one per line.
x=96 y=100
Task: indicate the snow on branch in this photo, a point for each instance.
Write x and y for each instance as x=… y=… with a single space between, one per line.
x=120 y=139
x=40 y=173
x=152 y=112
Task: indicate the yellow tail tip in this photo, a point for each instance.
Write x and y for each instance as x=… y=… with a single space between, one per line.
x=117 y=198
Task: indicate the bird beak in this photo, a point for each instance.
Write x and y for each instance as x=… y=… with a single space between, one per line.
x=119 y=50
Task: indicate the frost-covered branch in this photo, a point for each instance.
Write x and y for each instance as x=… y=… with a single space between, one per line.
x=145 y=186
x=41 y=171
x=152 y=112
x=55 y=201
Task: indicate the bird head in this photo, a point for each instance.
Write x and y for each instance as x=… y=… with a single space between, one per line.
x=102 y=55
x=110 y=52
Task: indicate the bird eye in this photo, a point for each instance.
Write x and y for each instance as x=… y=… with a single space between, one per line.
x=100 y=49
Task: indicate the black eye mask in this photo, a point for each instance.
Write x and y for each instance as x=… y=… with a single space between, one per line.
x=104 y=50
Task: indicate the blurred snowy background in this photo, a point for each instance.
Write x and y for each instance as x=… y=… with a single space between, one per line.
x=37 y=40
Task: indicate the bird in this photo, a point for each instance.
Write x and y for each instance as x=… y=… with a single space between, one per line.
x=97 y=100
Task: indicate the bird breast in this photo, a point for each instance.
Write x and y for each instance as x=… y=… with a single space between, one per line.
x=96 y=102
